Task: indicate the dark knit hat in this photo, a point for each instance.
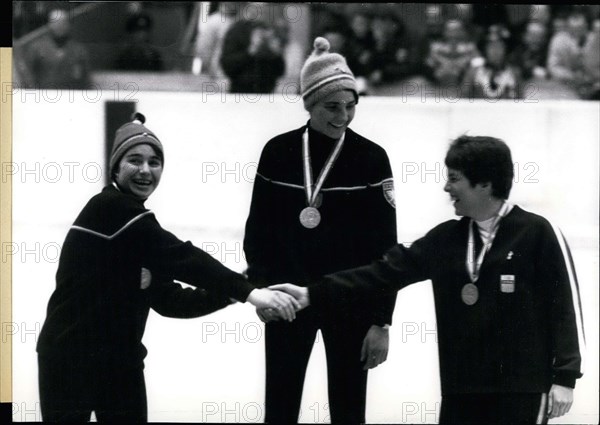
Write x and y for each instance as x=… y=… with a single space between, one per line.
x=324 y=73
x=132 y=134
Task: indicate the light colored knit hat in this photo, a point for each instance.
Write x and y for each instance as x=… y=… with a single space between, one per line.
x=132 y=134
x=324 y=73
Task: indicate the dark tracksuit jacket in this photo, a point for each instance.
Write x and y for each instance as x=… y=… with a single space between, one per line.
x=358 y=214
x=358 y=224
x=99 y=309
x=507 y=342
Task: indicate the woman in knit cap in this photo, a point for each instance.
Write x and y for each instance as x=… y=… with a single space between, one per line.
x=116 y=263
x=323 y=200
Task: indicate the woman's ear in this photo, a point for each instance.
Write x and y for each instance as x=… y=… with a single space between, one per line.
x=486 y=186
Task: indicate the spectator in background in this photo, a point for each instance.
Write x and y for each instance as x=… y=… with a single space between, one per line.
x=329 y=19
x=484 y=15
x=520 y=15
x=252 y=57
x=434 y=21
x=464 y=13
x=27 y=16
x=565 y=53
x=495 y=78
x=56 y=60
x=559 y=24
x=209 y=43
x=540 y=13
x=339 y=38
x=450 y=57
x=530 y=55
x=591 y=64
x=434 y=28
x=139 y=54
x=360 y=42
x=392 y=56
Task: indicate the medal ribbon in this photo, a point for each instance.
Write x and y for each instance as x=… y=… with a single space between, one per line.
x=473 y=267
x=311 y=195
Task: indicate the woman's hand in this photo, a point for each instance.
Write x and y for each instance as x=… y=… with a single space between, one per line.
x=284 y=304
x=560 y=400
x=299 y=293
x=267 y=315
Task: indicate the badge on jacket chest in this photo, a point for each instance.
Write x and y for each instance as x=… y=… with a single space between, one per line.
x=388 y=192
x=507 y=283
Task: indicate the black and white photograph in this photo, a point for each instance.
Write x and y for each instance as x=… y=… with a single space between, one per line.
x=256 y=212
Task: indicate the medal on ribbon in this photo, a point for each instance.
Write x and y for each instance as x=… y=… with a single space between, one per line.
x=310 y=217
x=470 y=292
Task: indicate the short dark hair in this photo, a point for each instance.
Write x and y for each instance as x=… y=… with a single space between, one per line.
x=483 y=159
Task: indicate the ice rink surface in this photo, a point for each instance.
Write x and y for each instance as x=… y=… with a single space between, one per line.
x=212 y=369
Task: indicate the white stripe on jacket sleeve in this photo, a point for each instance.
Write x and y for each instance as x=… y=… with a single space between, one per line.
x=576 y=299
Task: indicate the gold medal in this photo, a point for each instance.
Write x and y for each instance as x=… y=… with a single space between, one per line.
x=310 y=217
x=469 y=294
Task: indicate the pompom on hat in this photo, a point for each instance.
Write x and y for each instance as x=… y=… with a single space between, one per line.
x=132 y=134
x=324 y=73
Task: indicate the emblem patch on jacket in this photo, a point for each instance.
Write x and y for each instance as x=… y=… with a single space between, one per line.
x=388 y=192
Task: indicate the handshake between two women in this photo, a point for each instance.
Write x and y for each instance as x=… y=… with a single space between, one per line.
x=280 y=301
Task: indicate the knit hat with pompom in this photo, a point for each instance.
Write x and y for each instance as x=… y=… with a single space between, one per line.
x=324 y=73
x=132 y=134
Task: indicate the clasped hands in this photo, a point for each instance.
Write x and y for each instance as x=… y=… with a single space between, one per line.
x=375 y=345
x=280 y=301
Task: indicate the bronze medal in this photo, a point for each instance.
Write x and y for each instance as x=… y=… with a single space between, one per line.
x=310 y=217
x=469 y=294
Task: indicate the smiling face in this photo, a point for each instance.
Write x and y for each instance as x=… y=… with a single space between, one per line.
x=332 y=115
x=139 y=171
x=469 y=200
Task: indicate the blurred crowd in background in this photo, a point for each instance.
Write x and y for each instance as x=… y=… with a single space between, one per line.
x=492 y=51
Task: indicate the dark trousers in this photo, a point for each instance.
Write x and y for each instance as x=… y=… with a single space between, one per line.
x=288 y=348
x=525 y=408
x=70 y=389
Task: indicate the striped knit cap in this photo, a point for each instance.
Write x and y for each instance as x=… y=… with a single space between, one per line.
x=324 y=73
x=132 y=134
